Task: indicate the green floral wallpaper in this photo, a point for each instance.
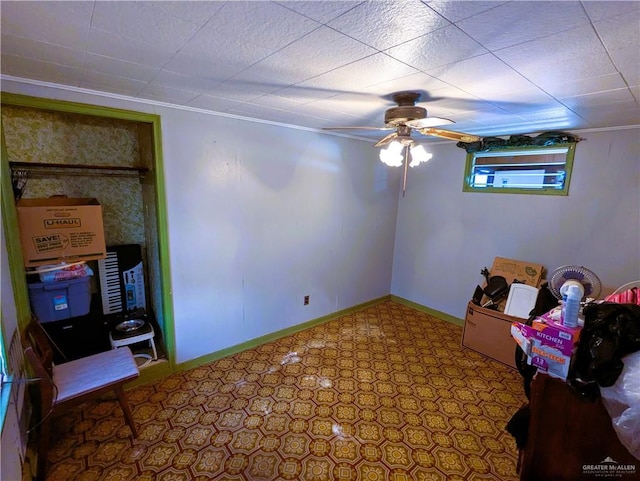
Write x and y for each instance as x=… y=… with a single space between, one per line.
x=33 y=135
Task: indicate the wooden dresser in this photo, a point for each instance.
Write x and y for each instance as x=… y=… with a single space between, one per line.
x=566 y=433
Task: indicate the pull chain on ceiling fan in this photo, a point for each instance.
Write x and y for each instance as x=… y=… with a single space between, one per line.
x=404 y=119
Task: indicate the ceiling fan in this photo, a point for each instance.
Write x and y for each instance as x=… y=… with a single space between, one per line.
x=404 y=119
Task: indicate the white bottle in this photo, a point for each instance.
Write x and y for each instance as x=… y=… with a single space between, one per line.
x=571 y=306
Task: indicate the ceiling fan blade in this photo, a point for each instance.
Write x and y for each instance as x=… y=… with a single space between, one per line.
x=428 y=122
x=386 y=140
x=449 y=134
x=359 y=128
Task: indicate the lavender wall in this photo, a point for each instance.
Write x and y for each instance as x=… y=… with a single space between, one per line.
x=445 y=236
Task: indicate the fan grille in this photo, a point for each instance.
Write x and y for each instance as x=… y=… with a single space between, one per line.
x=586 y=277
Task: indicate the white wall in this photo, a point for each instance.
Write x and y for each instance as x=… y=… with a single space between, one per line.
x=260 y=216
x=445 y=237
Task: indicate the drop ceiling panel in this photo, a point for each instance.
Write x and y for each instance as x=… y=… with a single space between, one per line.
x=467 y=75
x=515 y=23
x=435 y=49
x=108 y=44
x=43 y=71
x=110 y=83
x=60 y=23
x=459 y=10
x=355 y=77
x=600 y=10
x=382 y=25
x=320 y=51
x=118 y=68
x=321 y=12
x=560 y=58
x=141 y=22
x=495 y=68
x=211 y=102
x=585 y=86
x=46 y=52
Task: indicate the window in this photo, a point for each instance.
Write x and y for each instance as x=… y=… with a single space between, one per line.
x=529 y=170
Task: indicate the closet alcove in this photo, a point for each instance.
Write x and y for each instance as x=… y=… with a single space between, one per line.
x=81 y=151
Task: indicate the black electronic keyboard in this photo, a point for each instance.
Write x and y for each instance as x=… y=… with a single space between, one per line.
x=121 y=276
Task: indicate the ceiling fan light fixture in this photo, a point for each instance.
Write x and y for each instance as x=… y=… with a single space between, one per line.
x=392 y=154
x=419 y=155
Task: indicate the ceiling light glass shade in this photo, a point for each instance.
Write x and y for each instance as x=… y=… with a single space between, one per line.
x=419 y=155
x=392 y=155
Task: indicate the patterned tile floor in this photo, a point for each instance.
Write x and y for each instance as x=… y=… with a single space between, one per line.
x=386 y=393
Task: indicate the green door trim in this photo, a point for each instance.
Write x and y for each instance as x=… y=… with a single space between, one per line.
x=10 y=219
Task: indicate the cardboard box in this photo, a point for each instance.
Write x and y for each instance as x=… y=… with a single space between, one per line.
x=525 y=272
x=548 y=344
x=489 y=332
x=60 y=229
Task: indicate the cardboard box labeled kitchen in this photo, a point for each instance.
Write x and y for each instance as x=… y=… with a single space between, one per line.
x=548 y=344
x=488 y=331
x=60 y=229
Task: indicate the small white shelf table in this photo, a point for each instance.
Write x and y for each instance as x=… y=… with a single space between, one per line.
x=144 y=333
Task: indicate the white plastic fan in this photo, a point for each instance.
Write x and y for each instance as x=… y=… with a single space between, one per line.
x=589 y=280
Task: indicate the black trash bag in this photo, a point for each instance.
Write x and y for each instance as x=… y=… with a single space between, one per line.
x=611 y=331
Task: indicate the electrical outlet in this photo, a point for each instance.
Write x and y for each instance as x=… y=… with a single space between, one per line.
x=306 y=300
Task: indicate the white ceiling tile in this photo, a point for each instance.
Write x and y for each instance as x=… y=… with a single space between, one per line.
x=239 y=91
x=241 y=34
x=196 y=12
x=359 y=110
x=139 y=22
x=585 y=86
x=620 y=37
x=184 y=82
x=620 y=32
x=42 y=21
x=353 y=77
x=600 y=10
x=560 y=58
x=167 y=94
x=470 y=75
x=109 y=83
x=211 y=102
x=514 y=23
x=118 y=68
x=419 y=81
x=275 y=102
x=382 y=25
x=221 y=62
x=460 y=9
x=219 y=55
x=600 y=98
x=265 y=26
x=47 y=52
x=626 y=61
x=108 y=44
x=319 y=11
x=321 y=51
x=38 y=70
x=271 y=114
x=622 y=113
x=442 y=47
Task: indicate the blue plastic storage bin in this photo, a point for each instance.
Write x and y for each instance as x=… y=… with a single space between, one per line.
x=55 y=301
